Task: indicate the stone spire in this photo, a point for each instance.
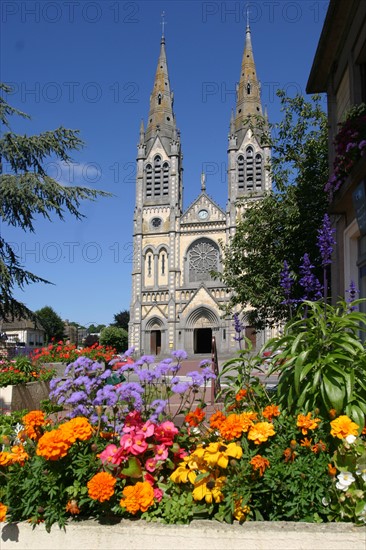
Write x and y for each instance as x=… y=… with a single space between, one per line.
x=161 y=117
x=248 y=91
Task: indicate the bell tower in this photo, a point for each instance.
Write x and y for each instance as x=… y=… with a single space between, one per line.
x=248 y=159
x=158 y=208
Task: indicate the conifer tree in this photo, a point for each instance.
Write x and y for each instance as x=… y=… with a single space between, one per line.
x=26 y=191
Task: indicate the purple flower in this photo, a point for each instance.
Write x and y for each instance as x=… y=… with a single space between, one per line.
x=180 y=387
x=238 y=327
x=76 y=397
x=149 y=359
x=362 y=144
x=146 y=376
x=352 y=291
x=326 y=241
x=310 y=284
x=197 y=378
x=286 y=282
x=204 y=363
x=180 y=354
x=106 y=396
x=350 y=146
x=208 y=374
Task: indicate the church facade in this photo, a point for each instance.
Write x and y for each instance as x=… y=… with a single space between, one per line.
x=176 y=303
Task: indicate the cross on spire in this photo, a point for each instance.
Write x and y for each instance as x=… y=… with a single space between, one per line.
x=248 y=26
x=163 y=23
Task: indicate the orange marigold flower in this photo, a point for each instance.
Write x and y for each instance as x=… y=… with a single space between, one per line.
x=72 y=507
x=137 y=497
x=306 y=422
x=5 y=458
x=318 y=447
x=332 y=413
x=3 y=510
x=216 y=419
x=332 y=470
x=18 y=455
x=306 y=442
x=101 y=486
x=260 y=432
x=33 y=421
x=232 y=427
x=270 y=411
x=343 y=426
x=363 y=431
x=194 y=418
x=289 y=455
x=260 y=463
x=76 y=429
x=52 y=445
x=240 y=395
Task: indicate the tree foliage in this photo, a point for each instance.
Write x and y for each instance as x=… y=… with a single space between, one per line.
x=284 y=225
x=27 y=191
x=115 y=337
x=51 y=322
x=122 y=319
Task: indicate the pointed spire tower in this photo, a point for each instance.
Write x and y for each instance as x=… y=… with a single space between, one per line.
x=248 y=101
x=248 y=176
x=161 y=119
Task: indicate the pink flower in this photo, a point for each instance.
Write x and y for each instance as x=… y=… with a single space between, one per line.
x=149 y=478
x=148 y=429
x=158 y=494
x=132 y=421
x=139 y=444
x=112 y=454
x=166 y=432
x=161 y=452
x=150 y=464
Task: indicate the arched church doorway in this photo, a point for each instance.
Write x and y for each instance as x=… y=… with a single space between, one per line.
x=155 y=342
x=202 y=324
x=202 y=340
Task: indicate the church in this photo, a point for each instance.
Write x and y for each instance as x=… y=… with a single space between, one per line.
x=176 y=303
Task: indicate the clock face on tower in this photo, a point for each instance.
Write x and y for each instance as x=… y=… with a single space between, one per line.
x=203 y=214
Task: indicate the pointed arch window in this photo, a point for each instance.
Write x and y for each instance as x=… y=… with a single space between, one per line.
x=157 y=176
x=241 y=172
x=258 y=171
x=165 y=179
x=148 y=180
x=159 y=99
x=249 y=88
x=249 y=176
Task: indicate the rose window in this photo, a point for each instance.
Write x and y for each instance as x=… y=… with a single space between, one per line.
x=203 y=258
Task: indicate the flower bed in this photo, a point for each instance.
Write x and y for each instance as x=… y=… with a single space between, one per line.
x=298 y=454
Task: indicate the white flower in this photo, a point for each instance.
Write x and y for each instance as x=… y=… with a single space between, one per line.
x=345 y=479
x=351 y=439
x=362 y=473
x=325 y=501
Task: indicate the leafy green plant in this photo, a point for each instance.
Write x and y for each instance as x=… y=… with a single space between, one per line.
x=237 y=374
x=322 y=360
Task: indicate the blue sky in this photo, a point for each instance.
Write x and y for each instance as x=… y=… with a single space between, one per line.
x=90 y=66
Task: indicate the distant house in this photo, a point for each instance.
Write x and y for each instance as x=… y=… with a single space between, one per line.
x=23 y=333
x=339 y=69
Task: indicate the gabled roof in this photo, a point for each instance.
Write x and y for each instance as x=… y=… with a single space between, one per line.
x=203 y=201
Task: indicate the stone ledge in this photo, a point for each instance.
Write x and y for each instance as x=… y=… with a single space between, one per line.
x=199 y=535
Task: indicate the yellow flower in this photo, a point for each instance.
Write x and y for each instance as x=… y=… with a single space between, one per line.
x=260 y=432
x=183 y=474
x=305 y=422
x=240 y=512
x=218 y=453
x=209 y=488
x=343 y=426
